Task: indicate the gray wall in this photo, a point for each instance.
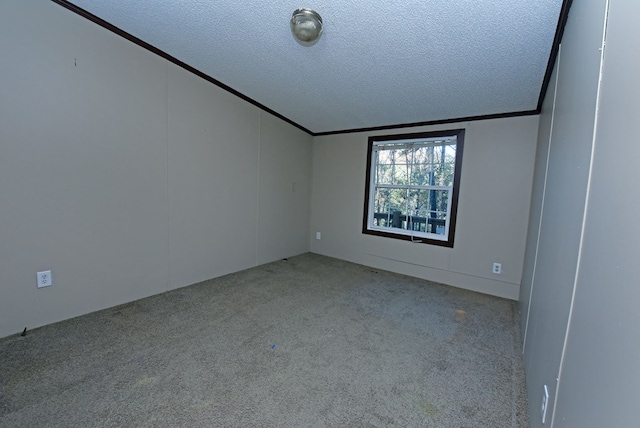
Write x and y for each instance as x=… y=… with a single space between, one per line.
x=128 y=176
x=567 y=138
x=580 y=289
x=600 y=380
x=497 y=173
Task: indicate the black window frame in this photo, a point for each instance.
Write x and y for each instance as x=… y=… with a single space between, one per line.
x=388 y=233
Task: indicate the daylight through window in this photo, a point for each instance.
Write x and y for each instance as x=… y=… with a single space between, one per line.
x=412 y=186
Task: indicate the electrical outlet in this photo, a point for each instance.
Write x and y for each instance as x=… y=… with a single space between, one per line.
x=497 y=268
x=545 y=403
x=44 y=278
x=318 y=235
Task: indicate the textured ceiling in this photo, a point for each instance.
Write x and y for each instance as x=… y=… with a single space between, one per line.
x=378 y=63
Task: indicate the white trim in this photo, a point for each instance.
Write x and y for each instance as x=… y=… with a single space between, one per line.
x=409 y=232
x=372 y=189
x=419 y=142
x=410 y=186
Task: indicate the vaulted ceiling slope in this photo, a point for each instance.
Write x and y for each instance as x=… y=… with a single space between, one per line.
x=378 y=64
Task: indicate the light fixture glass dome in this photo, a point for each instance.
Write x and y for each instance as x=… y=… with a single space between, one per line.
x=306 y=26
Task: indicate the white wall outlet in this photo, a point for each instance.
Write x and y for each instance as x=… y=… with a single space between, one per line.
x=44 y=278
x=318 y=235
x=545 y=403
x=497 y=268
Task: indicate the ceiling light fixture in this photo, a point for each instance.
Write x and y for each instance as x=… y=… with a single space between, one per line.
x=306 y=26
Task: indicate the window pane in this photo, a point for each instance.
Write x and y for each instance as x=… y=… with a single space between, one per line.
x=390 y=208
x=384 y=174
x=434 y=165
x=419 y=202
x=444 y=166
x=429 y=207
x=417 y=210
x=392 y=167
x=401 y=156
x=400 y=174
x=381 y=201
x=419 y=170
x=418 y=166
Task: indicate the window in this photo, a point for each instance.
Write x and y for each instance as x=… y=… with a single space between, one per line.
x=412 y=186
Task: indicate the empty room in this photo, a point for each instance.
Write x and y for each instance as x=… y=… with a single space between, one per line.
x=363 y=214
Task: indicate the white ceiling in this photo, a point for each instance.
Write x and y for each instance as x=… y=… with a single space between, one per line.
x=378 y=63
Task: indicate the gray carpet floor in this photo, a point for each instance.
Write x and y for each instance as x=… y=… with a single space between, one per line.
x=308 y=342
